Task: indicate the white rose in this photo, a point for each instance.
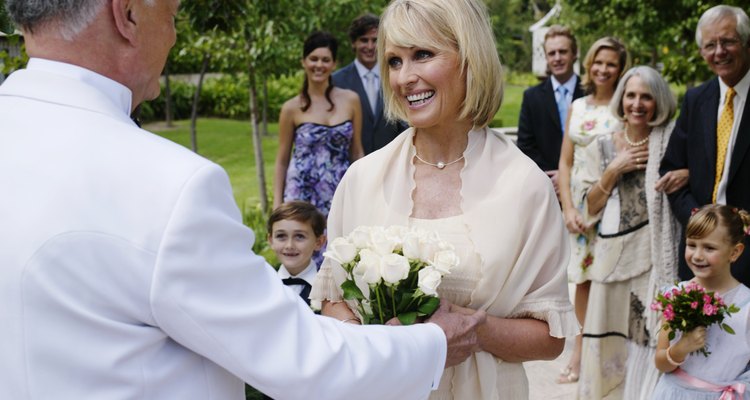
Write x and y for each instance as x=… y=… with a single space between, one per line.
x=394 y=268
x=341 y=250
x=427 y=249
x=428 y=280
x=411 y=246
x=398 y=231
x=368 y=268
x=445 y=260
x=382 y=243
x=443 y=245
x=360 y=236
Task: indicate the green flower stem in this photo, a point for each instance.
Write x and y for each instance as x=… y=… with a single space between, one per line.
x=380 y=306
x=393 y=300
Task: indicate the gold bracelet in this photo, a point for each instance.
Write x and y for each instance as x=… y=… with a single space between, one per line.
x=607 y=192
x=671 y=360
x=343 y=321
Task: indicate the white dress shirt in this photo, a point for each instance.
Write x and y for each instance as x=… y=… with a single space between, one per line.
x=308 y=274
x=126 y=271
x=742 y=88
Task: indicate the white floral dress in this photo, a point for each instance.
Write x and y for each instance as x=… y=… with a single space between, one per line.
x=587 y=121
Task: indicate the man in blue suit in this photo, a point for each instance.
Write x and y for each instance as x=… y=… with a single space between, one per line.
x=699 y=140
x=363 y=77
x=544 y=107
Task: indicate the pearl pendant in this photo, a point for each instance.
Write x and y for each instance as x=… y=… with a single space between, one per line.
x=440 y=165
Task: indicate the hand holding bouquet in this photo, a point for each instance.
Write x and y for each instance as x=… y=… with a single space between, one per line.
x=392 y=272
x=690 y=306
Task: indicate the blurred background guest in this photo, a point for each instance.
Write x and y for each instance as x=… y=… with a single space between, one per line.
x=588 y=117
x=319 y=130
x=711 y=137
x=363 y=77
x=636 y=250
x=544 y=108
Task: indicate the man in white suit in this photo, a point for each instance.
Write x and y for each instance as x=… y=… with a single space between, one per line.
x=125 y=270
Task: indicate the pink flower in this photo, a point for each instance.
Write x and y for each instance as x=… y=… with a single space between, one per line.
x=589 y=125
x=706 y=299
x=669 y=313
x=694 y=305
x=668 y=295
x=709 y=309
x=655 y=306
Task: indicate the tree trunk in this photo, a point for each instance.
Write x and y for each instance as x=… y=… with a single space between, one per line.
x=196 y=99
x=265 y=106
x=257 y=145
x=167 y=98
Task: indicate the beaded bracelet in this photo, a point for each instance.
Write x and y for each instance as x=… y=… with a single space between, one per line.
x=671 y=360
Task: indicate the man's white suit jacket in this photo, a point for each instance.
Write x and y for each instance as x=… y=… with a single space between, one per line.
x=126 y=273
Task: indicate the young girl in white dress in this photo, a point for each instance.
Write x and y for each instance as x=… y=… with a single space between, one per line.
x=714 y=241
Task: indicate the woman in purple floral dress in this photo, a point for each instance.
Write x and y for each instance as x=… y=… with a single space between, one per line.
x=319 y=131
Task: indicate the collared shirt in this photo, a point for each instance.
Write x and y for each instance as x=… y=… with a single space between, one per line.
x=570 y=85
x=308 y=274
x=120 y=95
x=741 y=89
x=362 y=70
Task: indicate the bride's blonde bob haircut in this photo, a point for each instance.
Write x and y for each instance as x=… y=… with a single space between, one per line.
x=460 y=26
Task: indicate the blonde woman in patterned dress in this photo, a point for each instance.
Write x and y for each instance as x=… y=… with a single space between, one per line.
x=588 y=117
x=451 y=174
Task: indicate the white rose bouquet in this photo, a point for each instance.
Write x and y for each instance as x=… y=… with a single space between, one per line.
x=392 y=272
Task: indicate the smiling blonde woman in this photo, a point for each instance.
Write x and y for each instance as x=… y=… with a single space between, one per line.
x=452 y=174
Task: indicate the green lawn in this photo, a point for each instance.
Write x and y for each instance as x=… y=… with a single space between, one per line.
x=229 y=144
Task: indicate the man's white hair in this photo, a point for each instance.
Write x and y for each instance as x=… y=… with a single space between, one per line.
x=67 y=17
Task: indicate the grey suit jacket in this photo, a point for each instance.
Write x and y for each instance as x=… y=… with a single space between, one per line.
x=376 y=130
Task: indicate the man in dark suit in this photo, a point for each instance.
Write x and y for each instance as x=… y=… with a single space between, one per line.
x=712 y=136
x=363 y=77
x=544 y=107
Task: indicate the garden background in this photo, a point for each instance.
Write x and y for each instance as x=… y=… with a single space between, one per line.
x=236 y=62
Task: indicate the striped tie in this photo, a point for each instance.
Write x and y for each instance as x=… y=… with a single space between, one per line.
x=723 y=132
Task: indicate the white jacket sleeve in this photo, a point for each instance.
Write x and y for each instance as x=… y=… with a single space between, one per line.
x=211 y=294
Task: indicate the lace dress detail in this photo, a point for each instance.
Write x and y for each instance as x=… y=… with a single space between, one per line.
x=319 y=160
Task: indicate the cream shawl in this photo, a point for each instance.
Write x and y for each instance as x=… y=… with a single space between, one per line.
x=514 y=221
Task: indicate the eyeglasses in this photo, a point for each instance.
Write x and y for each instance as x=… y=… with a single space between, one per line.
x=726 y=44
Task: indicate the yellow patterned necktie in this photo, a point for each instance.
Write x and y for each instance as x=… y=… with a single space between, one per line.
x=723 y=132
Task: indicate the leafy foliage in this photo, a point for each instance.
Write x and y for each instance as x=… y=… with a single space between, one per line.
x=655 y=31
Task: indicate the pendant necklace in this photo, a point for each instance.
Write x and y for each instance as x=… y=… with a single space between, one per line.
x=439 y=164
x=632 y=143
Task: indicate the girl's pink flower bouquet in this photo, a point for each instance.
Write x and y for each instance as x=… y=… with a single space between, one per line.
x=690 y=306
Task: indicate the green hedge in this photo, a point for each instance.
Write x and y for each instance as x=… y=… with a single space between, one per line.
x=223 y=97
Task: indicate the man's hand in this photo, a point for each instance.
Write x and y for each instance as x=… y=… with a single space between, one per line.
x=460 y=330
x=552 y=174
x=672 y=181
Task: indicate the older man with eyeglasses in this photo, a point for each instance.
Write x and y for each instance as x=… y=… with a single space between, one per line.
x=712 y=137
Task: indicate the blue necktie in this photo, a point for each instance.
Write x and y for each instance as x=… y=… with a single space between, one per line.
x=562 y=105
